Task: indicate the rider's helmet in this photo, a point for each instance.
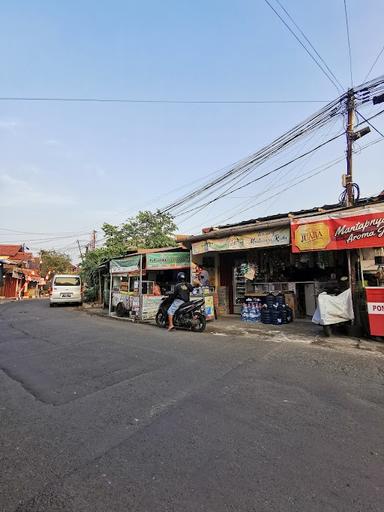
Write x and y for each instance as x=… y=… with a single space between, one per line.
x=181 y=277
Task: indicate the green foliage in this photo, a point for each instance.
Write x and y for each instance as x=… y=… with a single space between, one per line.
x=147 y=231
x=89 y=266
x=55 y=262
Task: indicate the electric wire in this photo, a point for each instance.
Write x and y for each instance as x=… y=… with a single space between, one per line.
x=370 y=124
x=374 y=64
x=334 y=109
x=267 y=173
x=304 y=46
x=310 y=44
x=161 y=101
x=317 y=120
x=327 y=166
x=348 y=40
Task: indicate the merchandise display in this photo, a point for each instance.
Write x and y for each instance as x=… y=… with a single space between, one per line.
x=270 y=309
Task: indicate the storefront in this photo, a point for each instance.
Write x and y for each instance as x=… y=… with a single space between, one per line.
x=254 y=261
x=355 y=234
x=248 y=263
x=138 y=282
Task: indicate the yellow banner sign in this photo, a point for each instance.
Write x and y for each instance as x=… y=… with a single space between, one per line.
x=252 y=240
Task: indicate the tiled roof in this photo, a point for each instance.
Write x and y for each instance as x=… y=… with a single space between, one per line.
x=10 y=250
x=23 y=256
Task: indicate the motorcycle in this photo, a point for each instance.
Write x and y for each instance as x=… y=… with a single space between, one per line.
x=190 y=315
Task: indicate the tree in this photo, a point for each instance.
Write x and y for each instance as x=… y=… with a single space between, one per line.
x=54 y=262
x=147 y=231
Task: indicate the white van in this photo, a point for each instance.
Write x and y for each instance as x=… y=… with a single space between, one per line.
x=66 y=288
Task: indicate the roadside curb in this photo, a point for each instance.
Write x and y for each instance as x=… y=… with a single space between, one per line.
x=276 y=335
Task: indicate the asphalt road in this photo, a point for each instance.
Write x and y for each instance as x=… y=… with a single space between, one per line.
x=101 y=415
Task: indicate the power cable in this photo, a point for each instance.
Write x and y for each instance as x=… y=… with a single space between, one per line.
x=328 y=166
x=349 y=40
x=316 y=120
x=165 y=101
x=374 y=64
x=282 y=190
x=267 y=173
x=370 y=124
x=310 y=44
x=70 y=233
x=304 y=46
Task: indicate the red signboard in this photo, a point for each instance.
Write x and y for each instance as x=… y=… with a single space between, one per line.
x=363 y=227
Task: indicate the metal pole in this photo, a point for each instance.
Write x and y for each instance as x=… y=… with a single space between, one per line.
x=100 y=295
x=349 y=135
x=110 y=295
x=361 y=268
x=141 y=288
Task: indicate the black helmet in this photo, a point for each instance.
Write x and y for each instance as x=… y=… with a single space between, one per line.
x=181 y=277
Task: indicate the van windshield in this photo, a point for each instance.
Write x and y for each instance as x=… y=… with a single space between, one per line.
x=67 y=281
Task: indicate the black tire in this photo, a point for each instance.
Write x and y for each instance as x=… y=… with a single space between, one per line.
x=120 y=310
x=201 y=324
x=161 y=319
x=51 y=304
x=327 y=330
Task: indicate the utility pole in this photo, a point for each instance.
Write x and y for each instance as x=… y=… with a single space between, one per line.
x=92 y=245
x=350 y=139
x=81 y=254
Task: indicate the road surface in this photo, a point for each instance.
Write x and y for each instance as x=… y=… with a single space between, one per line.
x=102 y=415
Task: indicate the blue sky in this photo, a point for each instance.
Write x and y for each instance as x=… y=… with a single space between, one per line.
x=65 y=168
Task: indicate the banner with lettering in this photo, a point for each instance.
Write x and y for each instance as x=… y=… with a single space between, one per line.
x=265 y=238
x=124 y=266
x=168 y=260
x=353 y=229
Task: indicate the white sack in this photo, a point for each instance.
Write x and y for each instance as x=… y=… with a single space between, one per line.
x=333 y=309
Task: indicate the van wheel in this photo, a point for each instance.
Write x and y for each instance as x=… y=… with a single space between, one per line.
x=51 y=304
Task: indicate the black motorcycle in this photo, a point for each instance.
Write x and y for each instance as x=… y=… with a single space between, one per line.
x=190 y=315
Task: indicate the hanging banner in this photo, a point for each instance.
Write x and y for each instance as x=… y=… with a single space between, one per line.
x=266 y=238
x=124 y=266
x=362 y=228
x=167 y=260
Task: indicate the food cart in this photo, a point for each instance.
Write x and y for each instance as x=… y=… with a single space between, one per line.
x=139 y=282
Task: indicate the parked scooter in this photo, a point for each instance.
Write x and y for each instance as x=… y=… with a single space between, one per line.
x=190 y=315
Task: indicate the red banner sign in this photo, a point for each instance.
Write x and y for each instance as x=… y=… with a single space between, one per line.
x=340 y=230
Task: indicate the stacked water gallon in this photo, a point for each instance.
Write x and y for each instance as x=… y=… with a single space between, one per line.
x=275 y=311
x=251 y=311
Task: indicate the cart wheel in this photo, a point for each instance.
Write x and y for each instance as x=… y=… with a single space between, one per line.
x=327 y=330
x=120 y=309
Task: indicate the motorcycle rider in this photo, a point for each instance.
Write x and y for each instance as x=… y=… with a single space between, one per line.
x=180 y=295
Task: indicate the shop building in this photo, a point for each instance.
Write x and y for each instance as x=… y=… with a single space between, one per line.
x=254 y=258
x=19 y=275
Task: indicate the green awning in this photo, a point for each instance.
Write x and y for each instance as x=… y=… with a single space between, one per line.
x=167 y=260
x=123 y=266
